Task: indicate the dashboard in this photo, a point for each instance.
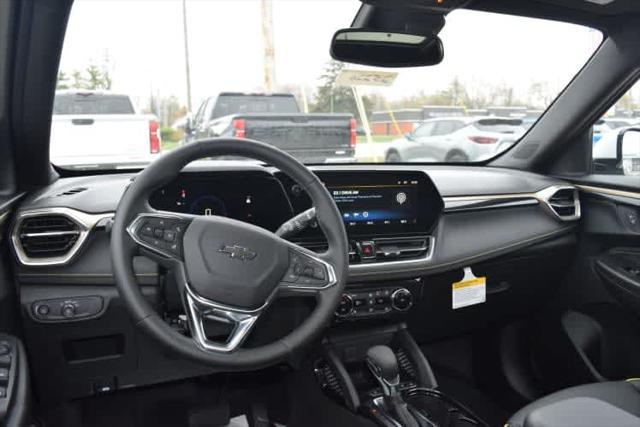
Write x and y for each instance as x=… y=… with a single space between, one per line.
x=411 y=229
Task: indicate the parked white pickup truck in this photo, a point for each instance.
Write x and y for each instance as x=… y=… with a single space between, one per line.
x=101 y=128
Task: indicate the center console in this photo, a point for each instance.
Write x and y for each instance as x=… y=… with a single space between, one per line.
x=380 y=373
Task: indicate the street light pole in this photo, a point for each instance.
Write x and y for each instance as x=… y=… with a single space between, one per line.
x=269 y=50
x=186 y=53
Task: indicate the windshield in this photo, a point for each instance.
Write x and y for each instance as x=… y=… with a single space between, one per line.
x=175 y=72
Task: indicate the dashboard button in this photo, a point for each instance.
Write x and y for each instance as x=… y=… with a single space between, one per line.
x=345 y=306
x=68 y=310
x=42 y=310
x=367 y=250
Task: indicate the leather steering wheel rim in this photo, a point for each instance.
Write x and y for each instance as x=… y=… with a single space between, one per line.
x=134 y=203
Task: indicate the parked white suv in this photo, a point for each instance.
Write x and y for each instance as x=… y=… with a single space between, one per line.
x=101 y=128
x=456 y=140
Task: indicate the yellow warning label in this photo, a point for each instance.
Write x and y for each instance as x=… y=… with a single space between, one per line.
x=469 y=291
x=467 y=283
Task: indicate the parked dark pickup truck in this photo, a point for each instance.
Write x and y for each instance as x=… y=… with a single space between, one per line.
x=276 y=119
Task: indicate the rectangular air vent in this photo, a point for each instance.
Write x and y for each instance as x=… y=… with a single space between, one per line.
x=563 y=202
x=48 y=236
x=400 y=248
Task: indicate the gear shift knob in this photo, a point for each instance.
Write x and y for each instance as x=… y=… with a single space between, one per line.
x=384 y=366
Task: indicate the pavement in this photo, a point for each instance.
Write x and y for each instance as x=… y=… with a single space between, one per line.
x=371 y=153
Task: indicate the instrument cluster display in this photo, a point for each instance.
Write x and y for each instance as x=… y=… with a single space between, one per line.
x=255 y=198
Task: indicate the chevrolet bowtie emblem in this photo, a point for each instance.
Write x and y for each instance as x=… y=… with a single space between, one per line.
x=238 y=252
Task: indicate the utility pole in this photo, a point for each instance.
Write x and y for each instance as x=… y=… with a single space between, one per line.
x=186 y=53
x=269 y=50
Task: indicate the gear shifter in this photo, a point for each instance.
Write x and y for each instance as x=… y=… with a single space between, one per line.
x=383 y=365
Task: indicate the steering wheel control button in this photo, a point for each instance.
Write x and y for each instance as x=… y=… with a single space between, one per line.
x=169 y=235
x=305 y=271
x=4 y=375
x=4 y=349
x=162 y=235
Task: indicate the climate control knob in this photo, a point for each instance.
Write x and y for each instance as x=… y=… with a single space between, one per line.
x=401 y=299
x=345 y=306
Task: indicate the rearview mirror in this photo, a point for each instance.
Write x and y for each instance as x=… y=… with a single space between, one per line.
x=386 y=49
x=628 y=151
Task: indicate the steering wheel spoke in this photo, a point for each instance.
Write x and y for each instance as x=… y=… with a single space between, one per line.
x=200 y=309
x=307 y=272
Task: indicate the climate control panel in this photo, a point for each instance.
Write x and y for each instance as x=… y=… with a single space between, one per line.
x=374 y=302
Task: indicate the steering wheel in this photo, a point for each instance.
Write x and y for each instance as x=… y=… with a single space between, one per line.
x=227 y=270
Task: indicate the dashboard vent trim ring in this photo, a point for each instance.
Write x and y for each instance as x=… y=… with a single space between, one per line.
x=82 y=221
x=563 y=201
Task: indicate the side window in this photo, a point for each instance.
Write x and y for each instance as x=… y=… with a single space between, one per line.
x=424 y=130
x=446 y=127
x=616 y=123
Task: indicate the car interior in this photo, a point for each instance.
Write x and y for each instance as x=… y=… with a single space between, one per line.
x=204 y=290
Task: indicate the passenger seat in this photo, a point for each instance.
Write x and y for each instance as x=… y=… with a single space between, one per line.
x=611 y=404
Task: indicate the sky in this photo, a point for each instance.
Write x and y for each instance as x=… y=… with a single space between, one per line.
x=141 y=43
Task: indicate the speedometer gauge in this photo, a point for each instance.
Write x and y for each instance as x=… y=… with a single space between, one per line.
x=208 y=205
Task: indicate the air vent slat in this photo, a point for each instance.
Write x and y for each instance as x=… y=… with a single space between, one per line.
x=48 y=236
x=392 y=249
x=563 y=202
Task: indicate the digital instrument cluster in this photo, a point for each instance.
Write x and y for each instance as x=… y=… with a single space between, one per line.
x=257 y=198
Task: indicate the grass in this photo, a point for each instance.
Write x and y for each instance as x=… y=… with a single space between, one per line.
x=169 y=145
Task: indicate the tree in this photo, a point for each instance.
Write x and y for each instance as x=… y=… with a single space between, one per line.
x=92 y=78
x=62 y=81
x=98 y=79
x=336 y=99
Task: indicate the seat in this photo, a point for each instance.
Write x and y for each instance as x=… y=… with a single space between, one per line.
x=612 y=404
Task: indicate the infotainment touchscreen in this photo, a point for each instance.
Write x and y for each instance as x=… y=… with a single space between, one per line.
x=384 y=202
x=378 y=204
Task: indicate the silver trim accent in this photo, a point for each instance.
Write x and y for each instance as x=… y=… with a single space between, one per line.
x=608 y=191
x=485 y=204
x=493 y=201
x=242 y=319
x=85 y=222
